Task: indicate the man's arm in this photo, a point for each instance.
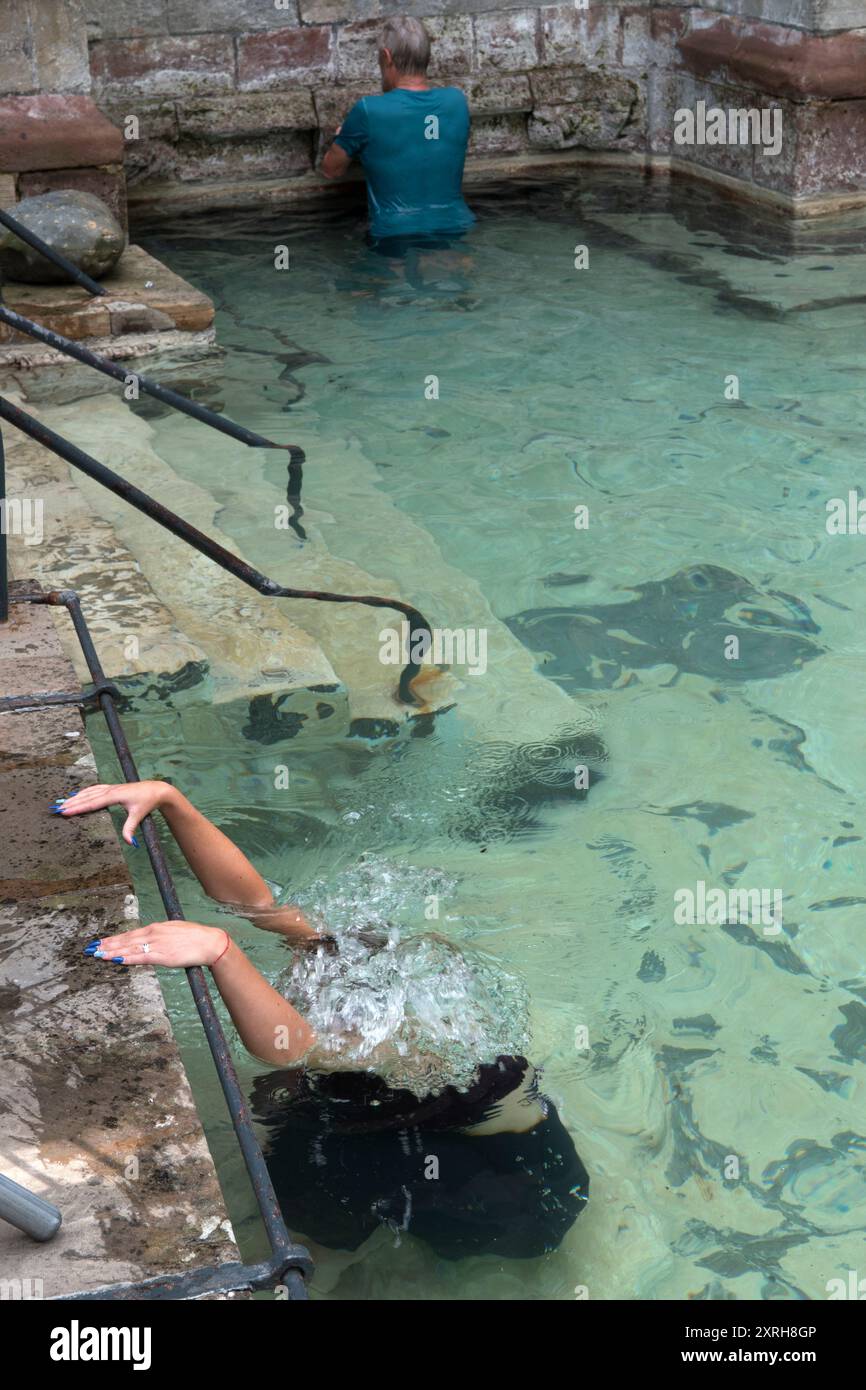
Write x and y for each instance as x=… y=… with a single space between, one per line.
x=336 y=162
x=269 y=1027
x=349 y=143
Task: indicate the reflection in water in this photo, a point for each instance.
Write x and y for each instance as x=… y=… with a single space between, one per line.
x=684 y=621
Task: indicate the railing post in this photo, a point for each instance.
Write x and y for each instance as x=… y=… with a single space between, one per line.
x=4 y=575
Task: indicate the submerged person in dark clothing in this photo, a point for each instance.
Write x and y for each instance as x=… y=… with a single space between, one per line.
x=480 y=1167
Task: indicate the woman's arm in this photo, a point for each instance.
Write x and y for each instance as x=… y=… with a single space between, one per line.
x=223 y=871
x=268 y=1026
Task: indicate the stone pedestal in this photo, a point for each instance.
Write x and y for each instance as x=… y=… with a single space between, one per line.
x=50 y=141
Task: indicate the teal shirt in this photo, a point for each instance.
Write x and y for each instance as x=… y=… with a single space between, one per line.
x=412 y=146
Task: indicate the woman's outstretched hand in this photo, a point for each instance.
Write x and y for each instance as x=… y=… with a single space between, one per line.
x=179 y=944
x=139 y=799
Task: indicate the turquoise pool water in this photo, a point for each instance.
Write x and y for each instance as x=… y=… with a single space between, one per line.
x=717 y=1092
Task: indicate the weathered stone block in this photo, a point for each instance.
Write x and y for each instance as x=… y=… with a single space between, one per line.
x=601 y=112
x=44 y=853
x=343 y=11
x=649 y=36
x=358 y=48
x=163 y=66
x=137 y=318
x=151 y=160
x=240 y=16
x=58 y=36
x=55 y=132
x=497 y=93
x=507 y=41
x=253 y=113
x=283 y=56
x=834 y=14
x=504 y=134
x=779 y=171
x=824 y=151
x=661 y=105
x=637 y=42
x=580 y=36
x=736 y=160
x=125 y=19
x=17 y=70
x=44 y=738
x=333 y=104
x=155 y=120
x=453 y=44
x=286 y=154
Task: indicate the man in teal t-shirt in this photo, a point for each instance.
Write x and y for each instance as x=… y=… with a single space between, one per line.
x=411 y=139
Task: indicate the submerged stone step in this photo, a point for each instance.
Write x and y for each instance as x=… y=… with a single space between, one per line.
x=250 y=646
x=133 y=631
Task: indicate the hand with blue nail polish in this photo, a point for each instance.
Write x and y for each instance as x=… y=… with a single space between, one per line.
x=138 y=799
x=165 y=943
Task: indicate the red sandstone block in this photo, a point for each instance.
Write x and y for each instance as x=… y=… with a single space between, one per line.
x=55 y=132
x=831 y=151
x=164 y=66
x=776 y=59
x=283 y=56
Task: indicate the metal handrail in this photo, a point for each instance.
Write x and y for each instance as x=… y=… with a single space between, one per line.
x=151 y=388
x=289 y=1263
x=420 y=633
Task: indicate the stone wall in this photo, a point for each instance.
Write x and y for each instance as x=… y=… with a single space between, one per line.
x=247 y=93
x=253 y=89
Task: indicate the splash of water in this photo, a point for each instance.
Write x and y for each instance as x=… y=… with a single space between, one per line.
x=418 y=1010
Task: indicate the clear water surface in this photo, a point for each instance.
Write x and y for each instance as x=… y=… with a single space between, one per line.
x=717 y=1096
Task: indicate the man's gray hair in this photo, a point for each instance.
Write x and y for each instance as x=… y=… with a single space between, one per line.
x=408 y=43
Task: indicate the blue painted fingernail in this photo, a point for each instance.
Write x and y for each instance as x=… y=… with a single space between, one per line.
x=134 y=843
x=92 y=949
x=117 y=960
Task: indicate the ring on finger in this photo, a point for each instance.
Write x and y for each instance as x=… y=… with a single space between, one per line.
x=145 y=946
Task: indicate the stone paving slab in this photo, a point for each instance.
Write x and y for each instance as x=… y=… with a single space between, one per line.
x=97 y=1113
x=81 y=551
x=140 y=290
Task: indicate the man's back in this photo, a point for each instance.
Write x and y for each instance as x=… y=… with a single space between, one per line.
x=412 y=145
